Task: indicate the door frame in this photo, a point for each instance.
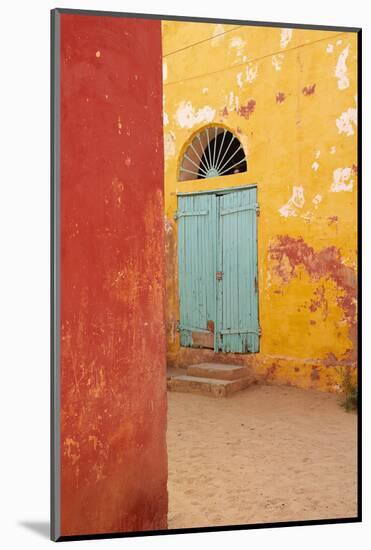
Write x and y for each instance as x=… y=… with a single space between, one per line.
x=221 y=191
x=218 y=258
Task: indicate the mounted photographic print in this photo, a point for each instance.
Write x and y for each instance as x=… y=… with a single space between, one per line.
x=205 y=232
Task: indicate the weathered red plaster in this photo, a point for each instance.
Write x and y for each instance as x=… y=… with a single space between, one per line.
x=270 y=372
x=330 y=359
x=171 y=279
x=113 y=372
x=319 y=301
x=289 y=252
x=309 y=90
x=248 y=109
x=314 y=374
x=332 y=220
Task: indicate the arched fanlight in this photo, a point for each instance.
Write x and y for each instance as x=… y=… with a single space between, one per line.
x=213 y=152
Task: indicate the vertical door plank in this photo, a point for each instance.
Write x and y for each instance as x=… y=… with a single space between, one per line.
x=239 y=323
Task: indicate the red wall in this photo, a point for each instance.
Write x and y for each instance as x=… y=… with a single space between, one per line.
x=113 y=381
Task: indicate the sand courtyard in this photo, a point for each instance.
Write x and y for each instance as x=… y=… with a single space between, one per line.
x=265 y=454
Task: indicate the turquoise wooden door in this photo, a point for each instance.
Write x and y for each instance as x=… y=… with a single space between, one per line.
x=217 y=254
x=197 y=262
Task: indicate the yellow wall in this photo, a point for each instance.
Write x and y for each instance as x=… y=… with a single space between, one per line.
x=302 y=153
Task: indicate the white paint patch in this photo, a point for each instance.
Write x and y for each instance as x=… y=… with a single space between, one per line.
x=169 y=144
x=316 y=200
x=164 y=71
x=342 y=69
x=315 y=166
x=97 y=54
x=277 y=61
x=330 y=48
x=346 y=121
x=205 y=90
x=165 y=115
x=218 y=30
x=296 y=201
x=231 y=96
x=333 y=150
x=233 y=101
x=341 y=180
x=307 y=217
x=251 y=73
x=187 y=116
x=318 y=154
x=286 y=36
x=339 y=42
x=238 y=44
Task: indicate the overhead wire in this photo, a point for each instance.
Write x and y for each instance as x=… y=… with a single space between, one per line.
x=231 y=67
x=202 y=41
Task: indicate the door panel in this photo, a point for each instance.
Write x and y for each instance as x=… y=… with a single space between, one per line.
x=238 y=326
x=196 y=249
x=217 y=254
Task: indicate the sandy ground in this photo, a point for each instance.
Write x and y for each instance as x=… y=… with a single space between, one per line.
x=265 y=454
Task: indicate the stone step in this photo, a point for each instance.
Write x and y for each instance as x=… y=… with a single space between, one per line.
x=219 y=371
x=207 y=386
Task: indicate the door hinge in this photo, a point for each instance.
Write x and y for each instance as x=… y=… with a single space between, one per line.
x=258 y=209
x=177 y=326
x=219 y=275
x=260 y=332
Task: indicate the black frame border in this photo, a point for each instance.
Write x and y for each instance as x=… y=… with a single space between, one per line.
x=55 y=534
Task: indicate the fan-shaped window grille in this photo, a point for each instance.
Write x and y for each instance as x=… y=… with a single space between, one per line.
x=213 y=152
